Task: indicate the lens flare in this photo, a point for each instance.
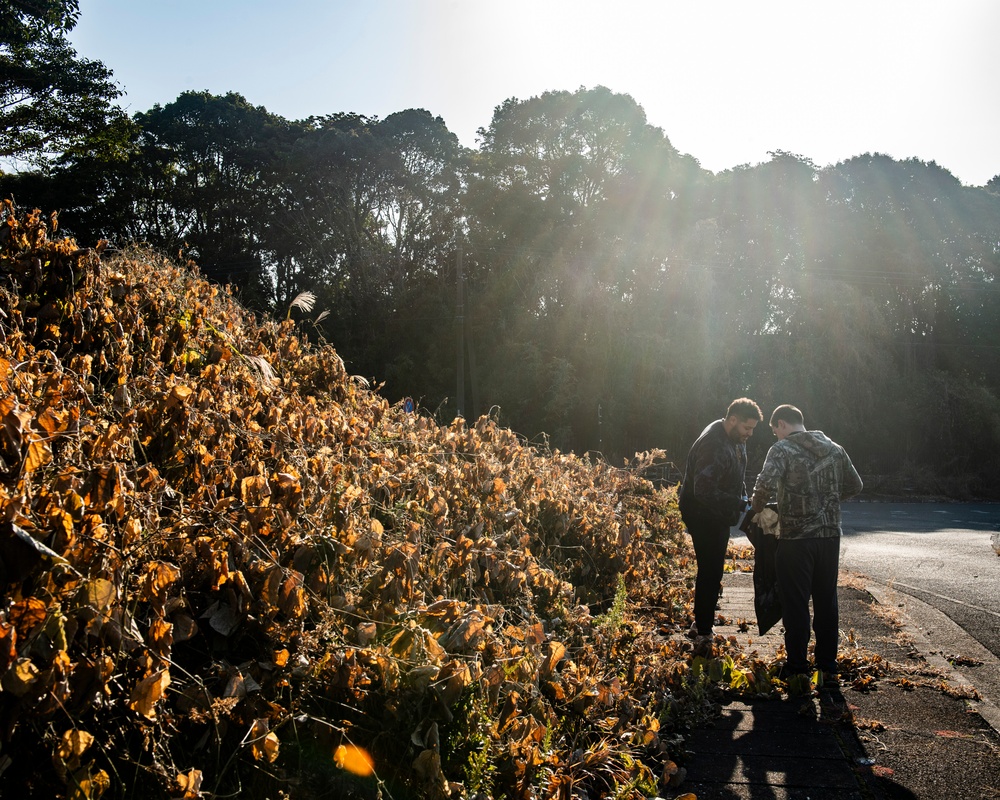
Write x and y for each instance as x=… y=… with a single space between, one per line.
x=354 y=759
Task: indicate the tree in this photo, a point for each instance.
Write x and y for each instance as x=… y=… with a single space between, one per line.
x=881 y=277
x=122 y=190
x=418 y=214
x=50 y=98
x=576 y=209
x=221 y=159
x=369 y=213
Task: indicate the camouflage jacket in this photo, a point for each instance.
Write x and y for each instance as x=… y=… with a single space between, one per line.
x=809 y=474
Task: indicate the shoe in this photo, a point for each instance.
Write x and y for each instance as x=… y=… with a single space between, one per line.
x=703 y=646
x=693 y=632
x=786 y=673
x=830 y=678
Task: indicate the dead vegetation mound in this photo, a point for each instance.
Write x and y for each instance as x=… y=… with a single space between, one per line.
x=227 y=565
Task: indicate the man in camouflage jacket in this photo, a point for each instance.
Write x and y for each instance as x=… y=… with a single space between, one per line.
x=810 y=475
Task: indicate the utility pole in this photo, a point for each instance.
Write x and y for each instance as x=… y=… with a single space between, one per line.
x=460 y=334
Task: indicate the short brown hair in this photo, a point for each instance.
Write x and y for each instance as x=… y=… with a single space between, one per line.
x=744 y=408
x=787 y=413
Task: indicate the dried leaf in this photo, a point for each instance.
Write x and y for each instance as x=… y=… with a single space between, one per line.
x=222 y=618
x=264 y=743
x=189 y=784
x=148 y=692
x=131 y=531
x=161 y=635
x=87 y=785
x=160 y=576
x=236 y=686
x=428 y=766
x=61 y=523
x=178 y=395
x=292 y=600
x=8 y=645
x=184 y=628
x=420 y=677
x=452 y=681
x=556 y=651
x=26 y=615
x=366 y=633
x=22 y=554
x=254 y=489
x=509 y=710
x=50 y=420
x=402 y=644
x=19 y=679
x=465 y=633
x=101 y=594
x=952 y=735
x=535 y=634
x=74 y=743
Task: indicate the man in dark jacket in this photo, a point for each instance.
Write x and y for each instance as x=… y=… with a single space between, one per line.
x=810 y=475
x=712 y=499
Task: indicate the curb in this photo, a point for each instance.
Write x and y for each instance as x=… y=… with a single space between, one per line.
x=889 y=597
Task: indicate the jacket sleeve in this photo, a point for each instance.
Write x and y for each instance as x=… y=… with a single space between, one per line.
x=851 y=483
x=766 y=487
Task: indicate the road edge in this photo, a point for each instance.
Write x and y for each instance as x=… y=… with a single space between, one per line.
x=889 y=597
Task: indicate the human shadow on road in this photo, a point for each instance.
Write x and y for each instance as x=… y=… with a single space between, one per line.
x=787 y=749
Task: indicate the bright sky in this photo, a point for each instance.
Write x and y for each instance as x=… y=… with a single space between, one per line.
x=726 y=80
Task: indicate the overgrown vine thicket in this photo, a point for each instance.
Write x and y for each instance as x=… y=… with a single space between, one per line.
x=227 y=565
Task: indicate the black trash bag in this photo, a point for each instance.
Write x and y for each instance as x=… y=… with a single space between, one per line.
x=767 y=603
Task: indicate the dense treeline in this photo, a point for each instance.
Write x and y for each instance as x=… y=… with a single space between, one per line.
x=615 y=294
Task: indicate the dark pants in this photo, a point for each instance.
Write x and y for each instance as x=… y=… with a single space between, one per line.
x=808 y=568
x=710 y=541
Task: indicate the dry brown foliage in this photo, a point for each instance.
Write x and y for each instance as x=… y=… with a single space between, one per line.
x=227 y=566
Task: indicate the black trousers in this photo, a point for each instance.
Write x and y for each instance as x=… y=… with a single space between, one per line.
x=710 y=541
x=807 y=568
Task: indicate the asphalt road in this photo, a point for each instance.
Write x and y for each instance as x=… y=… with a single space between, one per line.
x=940 y=553
x=935 y=564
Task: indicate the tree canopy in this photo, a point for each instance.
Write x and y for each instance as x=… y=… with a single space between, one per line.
x=615 y=295
x=50 y=98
